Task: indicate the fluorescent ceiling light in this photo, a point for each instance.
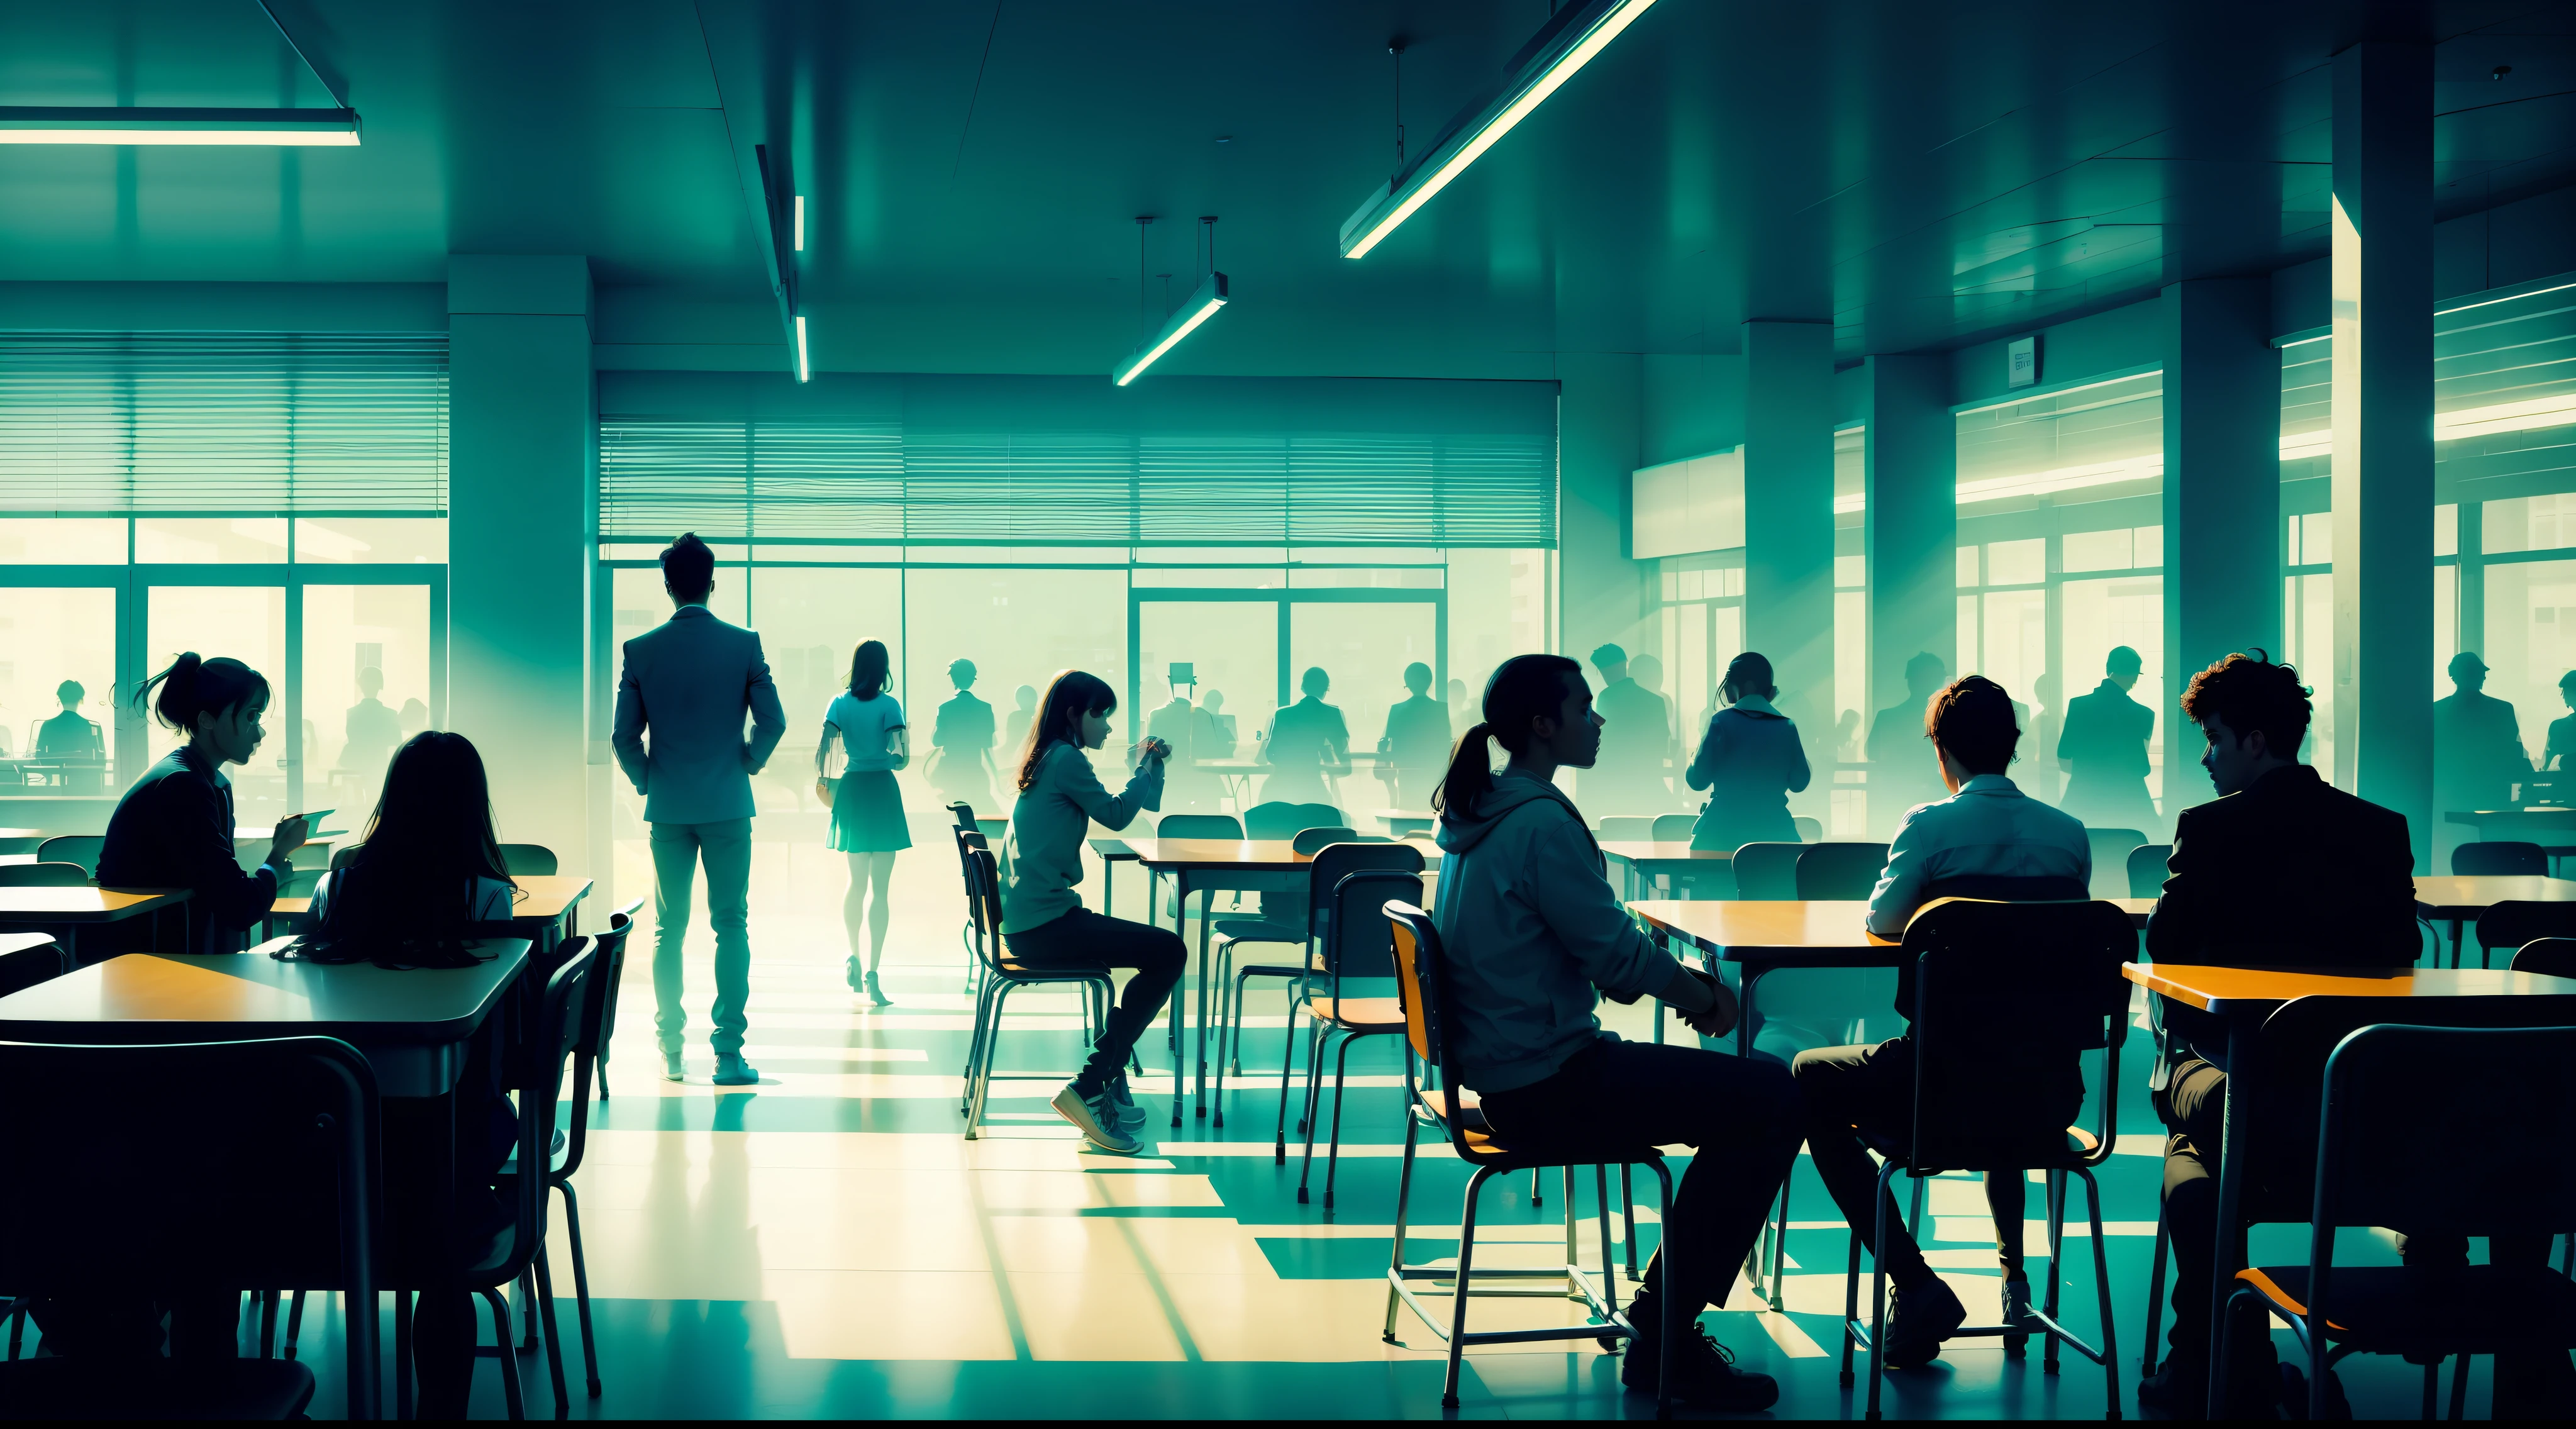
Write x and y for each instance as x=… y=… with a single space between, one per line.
x=804 y=369
x=1567 y=44
x=29 y=124
x=800 y=223
x=1197 y=308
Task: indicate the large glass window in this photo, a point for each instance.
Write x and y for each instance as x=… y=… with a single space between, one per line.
x=58 y=690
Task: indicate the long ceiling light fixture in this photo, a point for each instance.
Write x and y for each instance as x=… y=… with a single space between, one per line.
x=1195 y=309
x=785 y=210
x=336 y=127
x=1566 y=43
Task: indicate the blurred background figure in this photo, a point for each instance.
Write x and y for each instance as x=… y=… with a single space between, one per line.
x=1461 y=712
x=1016 y=732
x=1662 y=783
x=2562 y=732
x=2104 y=751
x=1309 y=744
x=961 y=739
x=1750 y=762
x=1625 y=776
x=1847 y=737
x=1903 y=772
x=1186 y=788
x=415 y=718
x=75 y=739
x=2477 y=755
x=2040 y=780
x=1213 y=736
x=373 y=729
x=1416 y=742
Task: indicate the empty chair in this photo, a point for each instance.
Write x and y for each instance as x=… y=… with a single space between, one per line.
x=24 y=967
x=2550 y=957
x=1840 y=871
x=2499 y=858
x=1281 y=820
x=592 y=1026
x=607 y=973
x=2111 y=860
x=1329 y=866
x=1357 y=942
x=1809 y=830
x=43 y=875
x=1768 y=872
x=2146 y=870
x=72 y=848
x=1627 y=828
x=534 y=860
x=1189 y=826
x=2514 y=922
x=1674 y=828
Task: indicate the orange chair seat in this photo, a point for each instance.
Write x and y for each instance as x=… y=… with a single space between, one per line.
x=2470 y=1309
x=1375 y=1014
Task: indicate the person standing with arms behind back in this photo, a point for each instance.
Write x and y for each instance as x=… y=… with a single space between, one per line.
x=1750 y=762
x=867 y=809
x=963 y=737
x=1417 y=740
x=691 y=681
x=2104 y=750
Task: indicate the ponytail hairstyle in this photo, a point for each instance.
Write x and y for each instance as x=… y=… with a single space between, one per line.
x=869 y=670
x=1524 y=688
x=1070 y=696
x=194 y=685
x=1748 y=674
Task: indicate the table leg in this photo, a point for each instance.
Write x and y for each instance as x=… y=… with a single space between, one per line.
x=1207 y=911
x=2231 y=1186
x=1109 y=887
x=2458 y=930
x=1176 y=1004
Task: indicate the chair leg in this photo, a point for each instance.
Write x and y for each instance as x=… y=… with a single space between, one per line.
x=2101 y=1292
x=1780 y=1246
x=1403 y=1201
x=2459 y=1384
x=533 y=1332
x=974 y=1048
x=1668 y=1305
x=983 y=1072
x=545 y=1311
x=510 y=1394
x=1458 y=1302
x=1314 y=1101
x=1601 y=1203
x=294 y=1325
x=1538 y=1190
x=1851 y=1306
x=1628 y=1204
x=1287 y=1061
x=2432 y=1389
x=402 y=1355
x=580 y=1285
x=2155 y=1299
x=267 y=1325
x=1878 y=1284
x=2048 y=1358
x=1333 y=1147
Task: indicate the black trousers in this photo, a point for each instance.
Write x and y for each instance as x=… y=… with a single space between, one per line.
x=1741 y=1113
x=1084 y=938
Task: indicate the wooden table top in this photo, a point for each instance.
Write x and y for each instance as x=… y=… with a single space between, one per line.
x=21 y=942
x=2220 y=989
x=550 y=896
x=1773 y=927
x=83 y=905
x=2451 y=896
x=142 y=997
x=1668 y=851
x=2545 y=817
x=1246 y=854
x=21 y=840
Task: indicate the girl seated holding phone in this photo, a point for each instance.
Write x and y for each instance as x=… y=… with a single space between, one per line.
x=1043 y=920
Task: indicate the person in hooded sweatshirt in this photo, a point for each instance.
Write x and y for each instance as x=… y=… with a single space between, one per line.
x=1535 y=937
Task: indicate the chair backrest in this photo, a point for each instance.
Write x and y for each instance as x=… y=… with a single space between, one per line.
x=1310 y=840
x=984 y=904
x=549 y=1037
x=1357 y=940
x=276 y=1142
x=43 y=875
x=29 y=966
x=1283 y=820
x=2499 y=858
x=72 y=848
x=2146 y=870
x=1628 y=827
x=1809 y=830
x=534 y=860
x=2111 y=859
x=1198 y=826
x=1337 y=863
x=2515 y=921
x=1767 y=871
x=1420 y=987
x=1839 y=870
x=610 y=969
x=2396 y=1147
x=590 y=1032
x=964 y=814
x=1671 y=828
x=2551 y=957
x=2007 y=997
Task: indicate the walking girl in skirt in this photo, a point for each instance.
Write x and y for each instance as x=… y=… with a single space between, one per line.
x=867 y=811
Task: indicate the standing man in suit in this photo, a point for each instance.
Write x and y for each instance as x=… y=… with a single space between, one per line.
x=1629 y=772
x=2477 y=754
x=1897 y=777
x=691 y=680
x=2105 y=751
x=1416 y=742
x=2281 y=870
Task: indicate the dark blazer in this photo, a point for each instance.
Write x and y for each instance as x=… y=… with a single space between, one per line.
x=2291 y=872
x=2106 y=734
x=1750 y=761
x=691 y=680
x=174 y=829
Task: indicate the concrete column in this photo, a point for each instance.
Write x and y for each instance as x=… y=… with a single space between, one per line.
x=2383 y=427
x=2222 y=499
x=523 y=435
x=1602 y=590
x=1910 y=530
x=1789 y=516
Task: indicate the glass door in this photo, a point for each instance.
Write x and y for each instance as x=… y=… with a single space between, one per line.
x=1231 y=642
x=59 y=711
x=1363 y=642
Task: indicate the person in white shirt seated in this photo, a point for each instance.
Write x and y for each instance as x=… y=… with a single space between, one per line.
x=1987 y=840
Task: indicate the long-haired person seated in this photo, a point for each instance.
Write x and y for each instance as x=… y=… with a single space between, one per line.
x=174 y=828
x=428 y=879
x=1535 y=938
x=1043 y=920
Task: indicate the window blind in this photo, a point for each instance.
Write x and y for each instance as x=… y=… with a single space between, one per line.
x=223 y=422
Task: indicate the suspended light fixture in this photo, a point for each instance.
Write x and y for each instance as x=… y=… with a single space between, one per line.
x=1197 y=308
x=1566 y=43
x=784 y=208
x=26 y=124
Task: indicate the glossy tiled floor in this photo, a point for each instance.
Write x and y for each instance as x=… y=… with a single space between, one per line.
x=829 y=1245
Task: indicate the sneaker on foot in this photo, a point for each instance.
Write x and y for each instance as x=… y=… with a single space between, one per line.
x=674 y=1068
x=1130 y=1115
x=1096 y=1117
x=876 y=994
x=735 y=1072
x=1704 y=1372
x=1918 y=1320
x=2017 y=1314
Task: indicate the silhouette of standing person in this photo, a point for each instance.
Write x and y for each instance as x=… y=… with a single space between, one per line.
x=1653 y=775
x=1186 y=789
x=2477 y=754
x=2562 y=730
x=963 y=737
x=1416 y=741
x=1015 y=731
x=867 y=809
x=1898 y=776
x=1633 y=734
x=373 y=729
x=1308 y=740
x=2104 y=749
x=75 y=740
x=2045 y=730
x=1750 y=761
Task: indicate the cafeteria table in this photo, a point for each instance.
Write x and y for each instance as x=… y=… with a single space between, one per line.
x=1645 y=858
x=547 y=916
x=2243 y=997
x=63 y=912
x=20 y=840
x=2459 y=899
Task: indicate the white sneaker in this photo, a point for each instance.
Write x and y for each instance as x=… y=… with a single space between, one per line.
x=1097 y=1119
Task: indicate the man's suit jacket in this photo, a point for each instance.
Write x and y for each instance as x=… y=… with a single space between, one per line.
x=691 y=680
x=2106 y=734
x=2291 y=872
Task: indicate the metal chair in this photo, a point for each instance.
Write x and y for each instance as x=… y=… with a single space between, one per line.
x=1286 y=918
x=2004 y=995
x=277 y=1143
x=43 y=875
x=606 y=979
x=548 y=1038
x=1280 y=819
x=2514 y=922
x=2146 y=870
x=1767 y=872
x=1809 y=830
x=82 y=849
x=1450 y=1111
x=589 y=1057
x=534 y=860
x=2398 y=1147
x=2499 y=858
x=1672 y=828
x=2551 y=957
x=1004 y=975
x=1626 y=827
x=1189 y=826
x=2111 y=848
x=1839 y=871
x=1354 y=945
x=28 y=966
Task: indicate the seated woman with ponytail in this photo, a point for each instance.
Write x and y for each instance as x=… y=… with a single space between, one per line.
x=1535 y=938
x=174 y=828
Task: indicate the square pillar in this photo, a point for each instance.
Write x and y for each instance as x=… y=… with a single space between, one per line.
x=2382 y=275
x=1910 y=531
x=1602 y=590
x=523 y=434
x=1789 y=519
x=2222 y=500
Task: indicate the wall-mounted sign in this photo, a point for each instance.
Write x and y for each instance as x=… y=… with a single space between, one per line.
x=2021 y=358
